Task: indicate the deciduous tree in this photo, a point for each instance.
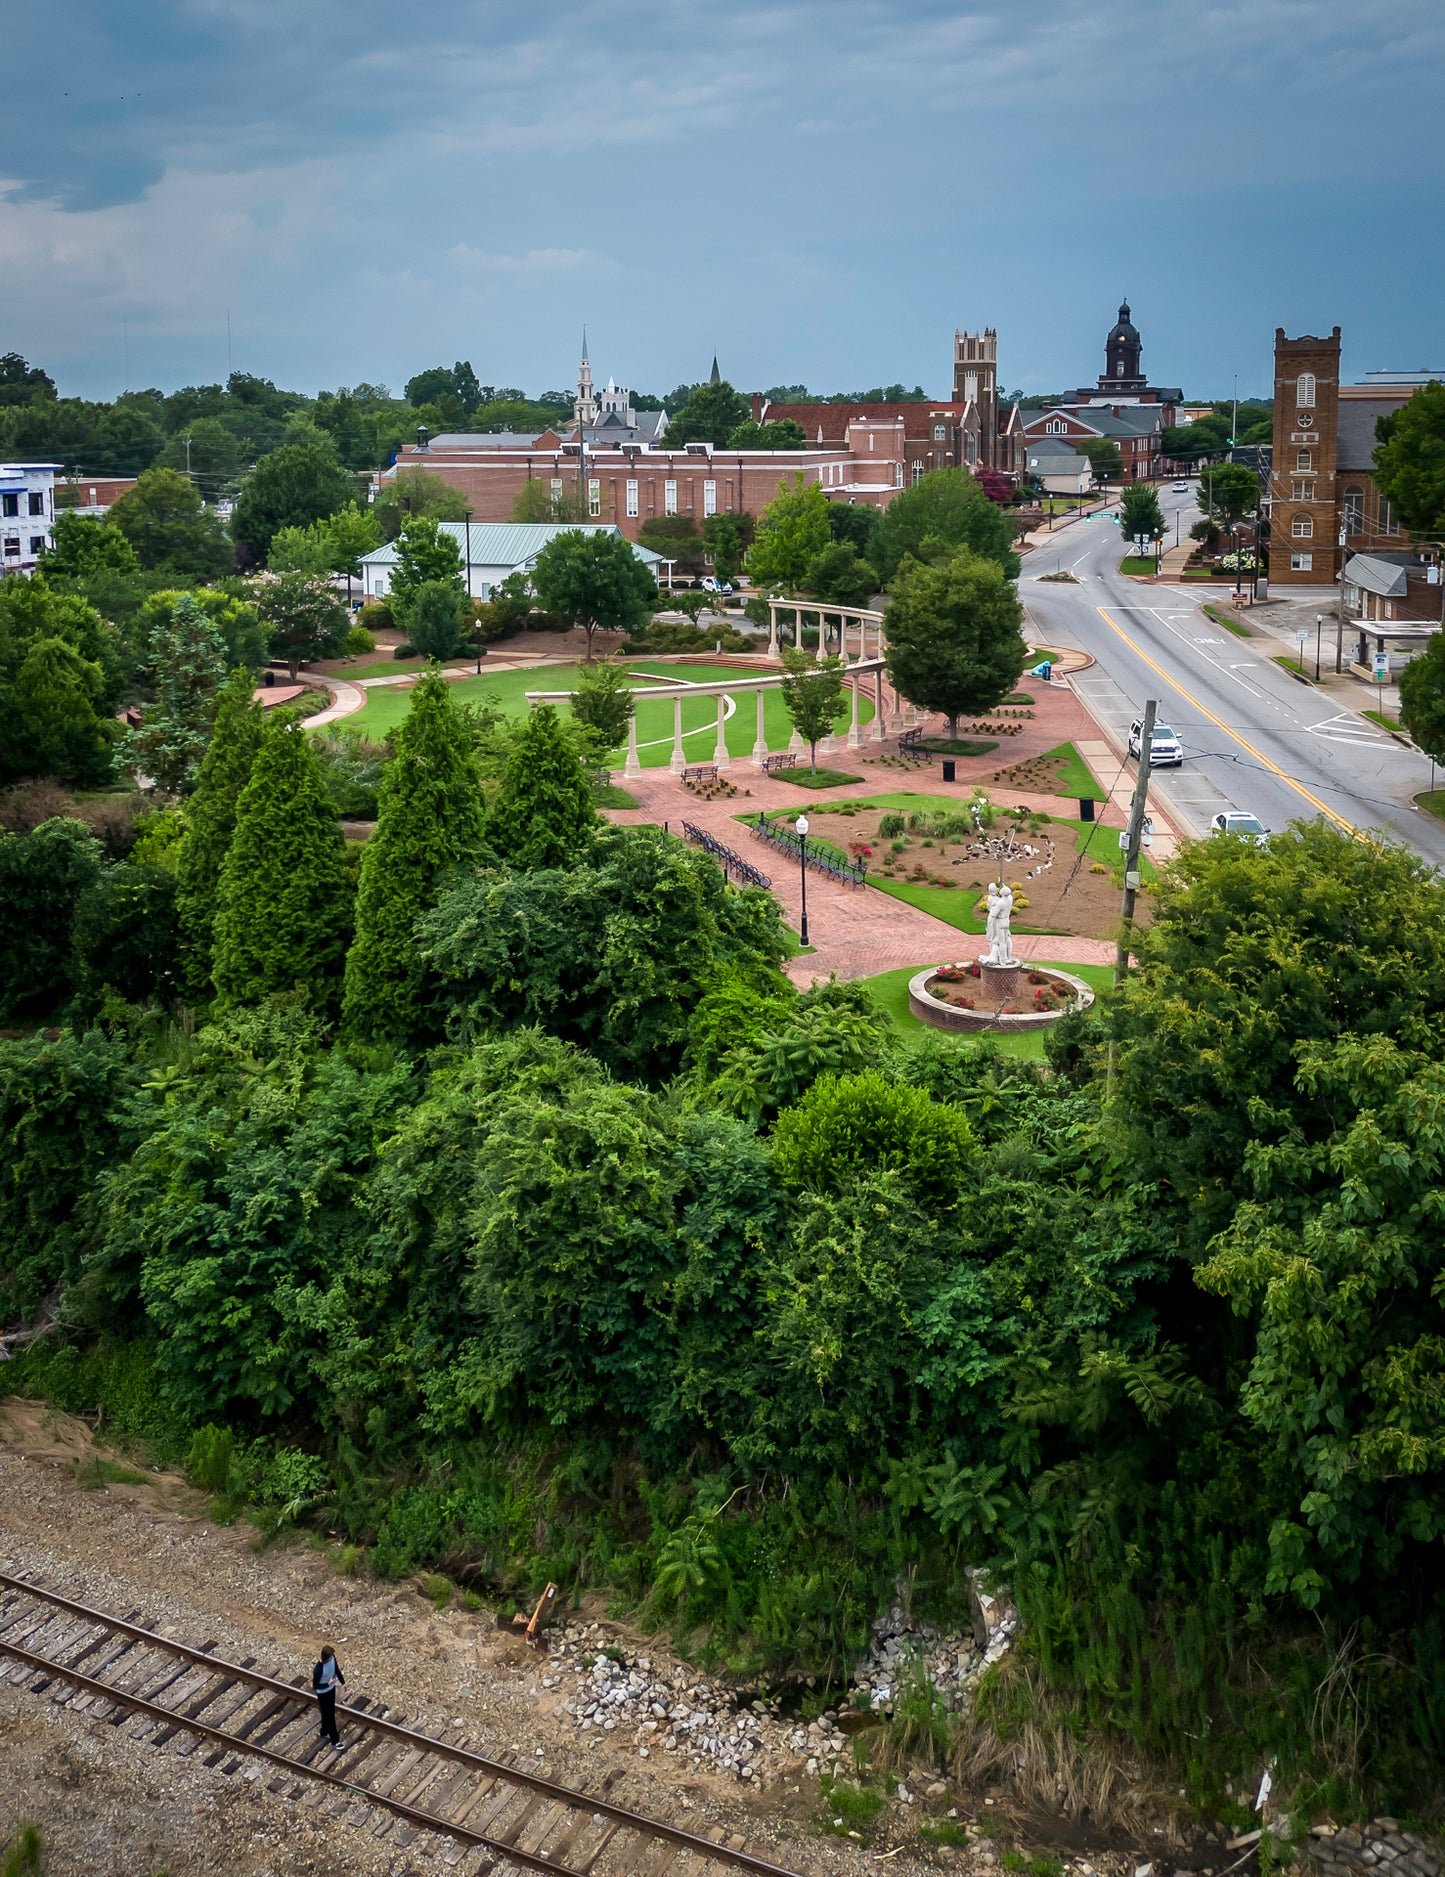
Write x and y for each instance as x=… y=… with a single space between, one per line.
x=306 y=622
x=954 y=635
x=1422 y=697
x=710 y=415
x=428 y=828
x=943 y=510
x=594 y=580
x=290 y=488
x=1410 y=460
x=782 y=434
x=416 y=491
x=1228 y=491
x=791 y=532
x=436 y=617
x=170 y=527
x=603 y=704
x=812 y=696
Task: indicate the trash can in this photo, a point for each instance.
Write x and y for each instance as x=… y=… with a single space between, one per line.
x=950 y=769
x=1086 y=808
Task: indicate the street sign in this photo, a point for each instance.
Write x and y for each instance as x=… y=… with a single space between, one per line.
x=1302 y=633
x=1380 y=664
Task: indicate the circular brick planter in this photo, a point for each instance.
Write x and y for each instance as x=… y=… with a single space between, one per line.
x=940 y=1015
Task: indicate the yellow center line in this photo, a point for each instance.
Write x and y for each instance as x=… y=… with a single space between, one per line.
x=1219 y=723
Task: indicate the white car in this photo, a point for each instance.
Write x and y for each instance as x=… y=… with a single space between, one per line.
x=1165 y=749
x=1179 y=488
x=1250 y=827
x=710 y=585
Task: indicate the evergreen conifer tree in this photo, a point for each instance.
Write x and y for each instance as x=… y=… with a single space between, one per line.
x=284 y=912
x=211 y=822
x=543 y=814
x=187 y=664
x=429 y=823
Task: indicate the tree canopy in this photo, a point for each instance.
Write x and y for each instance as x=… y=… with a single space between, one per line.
x=592 y=580
x=711 y=414
x=1410 y=460
x=542 y=815
x=169 y=526
x=791 y=532
x=291 y=487
x=943 y=510
x=954 y=635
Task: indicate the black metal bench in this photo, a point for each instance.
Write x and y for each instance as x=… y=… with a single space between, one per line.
x=700 y=772
x=771 y=764
x=735 y=868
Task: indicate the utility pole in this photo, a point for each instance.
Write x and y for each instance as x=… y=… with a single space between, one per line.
x=1135 y=837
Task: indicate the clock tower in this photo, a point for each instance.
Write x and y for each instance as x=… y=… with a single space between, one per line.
x=1122 y=351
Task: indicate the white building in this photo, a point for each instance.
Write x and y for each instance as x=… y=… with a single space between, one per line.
x=27 y=514
x=497 y=550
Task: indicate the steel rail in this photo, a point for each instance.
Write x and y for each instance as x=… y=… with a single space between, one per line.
x=568 y=1796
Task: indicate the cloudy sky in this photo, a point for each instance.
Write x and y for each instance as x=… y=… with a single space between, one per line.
x=819 y=191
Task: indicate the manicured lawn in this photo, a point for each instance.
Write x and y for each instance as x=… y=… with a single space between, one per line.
x=1138 y=564
x=1385 y=721
x=820 y=778
x=385 y=707
x=889 y=990
x=1076 y=779
x=1291 y=665
x=1432 y=801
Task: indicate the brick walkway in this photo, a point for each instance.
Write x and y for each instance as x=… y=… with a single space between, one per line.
x=860 y=931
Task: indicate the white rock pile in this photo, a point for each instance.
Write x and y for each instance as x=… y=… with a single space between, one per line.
x=665 y=1706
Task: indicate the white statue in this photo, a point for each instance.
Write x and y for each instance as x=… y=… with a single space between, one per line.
x=1000 y=939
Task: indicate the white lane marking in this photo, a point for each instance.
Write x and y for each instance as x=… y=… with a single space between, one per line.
x=1345 y=727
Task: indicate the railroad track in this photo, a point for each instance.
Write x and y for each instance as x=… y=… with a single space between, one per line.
x=503 y=1816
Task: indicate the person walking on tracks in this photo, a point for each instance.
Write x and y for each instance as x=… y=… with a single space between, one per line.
x=324 y=1677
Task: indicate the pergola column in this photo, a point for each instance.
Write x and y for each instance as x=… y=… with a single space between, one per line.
x=678 y=761
x=772 y=629
x=760 y=747
x=878 y=732
x=855 y=728
x=633 y=766
x=720 y=753
x=895 y=716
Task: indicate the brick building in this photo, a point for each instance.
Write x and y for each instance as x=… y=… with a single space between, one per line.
x=1323 y=501
x=966 y=431
x=627 y=484
x=1138 y=430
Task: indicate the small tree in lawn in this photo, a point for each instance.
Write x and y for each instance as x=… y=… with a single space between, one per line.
x=953 y=633
x=812 y=697
x=594 y=580
x=186 y=662
x=602 y=703
x=284 y=916
x=1228 y=491
x=424 y=557
x=724 y=537
x=1422 y=698
x=211 y=822
x=428 y=827
x=542 y=815
x=307 y=621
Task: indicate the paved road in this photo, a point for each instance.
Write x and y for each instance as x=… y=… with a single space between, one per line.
x=1254 y=738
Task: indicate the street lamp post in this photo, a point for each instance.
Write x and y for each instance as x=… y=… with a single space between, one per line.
x=1319 y=629
x=801 y=824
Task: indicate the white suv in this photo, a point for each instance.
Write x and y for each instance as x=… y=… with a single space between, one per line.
x=1165 y=749
x=1250 y=827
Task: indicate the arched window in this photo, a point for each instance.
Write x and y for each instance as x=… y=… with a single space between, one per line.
x=1388 y=524
x=1304 y=392
x=1302 y=528
x=1354 y=508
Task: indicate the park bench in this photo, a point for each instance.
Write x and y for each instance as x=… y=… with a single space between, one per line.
x=771 y=764
x=700 y=772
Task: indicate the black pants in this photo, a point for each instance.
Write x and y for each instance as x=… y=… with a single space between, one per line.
x=326 y=1701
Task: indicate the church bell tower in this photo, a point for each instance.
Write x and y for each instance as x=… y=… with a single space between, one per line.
x=1122 y=351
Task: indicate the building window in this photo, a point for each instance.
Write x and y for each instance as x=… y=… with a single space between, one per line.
x=9 y=505
x=37 y=503
x=556 y=494
x=1304 y=391
x=594 y=496
x=1302 y=489
x=970 y=447
x=37 y=544
x=1353 y=508
x=1388 y=524
x=12 y=546
x=669 y=497
x=1301 y=563
x=1302 y=528
x=709 y=497
x=918 y=470
x=940 y=433
x=1055 y=426
x=1304 y=459
x=898 y=475
x=632 y=495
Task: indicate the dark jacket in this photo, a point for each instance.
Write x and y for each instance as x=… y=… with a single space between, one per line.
x=316 y=1687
